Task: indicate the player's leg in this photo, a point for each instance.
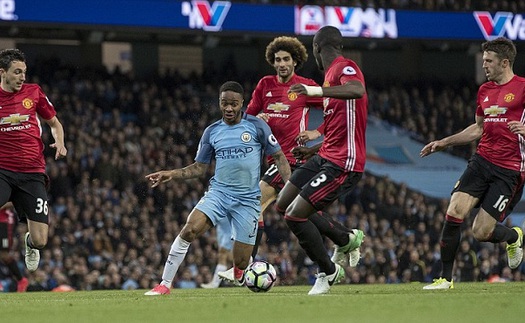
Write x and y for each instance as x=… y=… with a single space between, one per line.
x=268 y=196
x=225 y=245
x=30 y=202
x=460 y=205
x=503 y=194
x=241 y=260
x=244 y=215
x=467 y=194
x=321 y=182
x=196 y=224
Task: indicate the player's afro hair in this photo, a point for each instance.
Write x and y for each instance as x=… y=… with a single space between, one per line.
x=290 y=45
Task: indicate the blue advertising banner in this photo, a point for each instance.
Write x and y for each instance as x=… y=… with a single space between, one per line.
x=225 y=16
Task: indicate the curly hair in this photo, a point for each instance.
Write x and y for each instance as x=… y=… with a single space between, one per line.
x=503 y=47
x=7 y=56
x=290 y=45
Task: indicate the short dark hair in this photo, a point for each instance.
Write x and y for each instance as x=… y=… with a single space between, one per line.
x=232 y=86
x=7 y=56
x=290 y=45
x=329 y=36
x=503 y=47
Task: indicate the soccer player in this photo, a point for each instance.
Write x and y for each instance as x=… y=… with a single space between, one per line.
x=22 y=165
x=7 y=232
x=493 y=180
x=236 y=142
x=339 y=163
x=287 y=115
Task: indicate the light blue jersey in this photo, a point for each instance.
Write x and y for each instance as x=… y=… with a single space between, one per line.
x=234 y=193
x=238 y=151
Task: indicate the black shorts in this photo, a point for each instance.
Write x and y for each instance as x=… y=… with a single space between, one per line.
x=499 y=189
x=322 y=181
x=28 y=193
x=273 y=177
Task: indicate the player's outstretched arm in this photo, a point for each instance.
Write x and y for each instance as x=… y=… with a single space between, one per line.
x=469 y=134
x=194 y=170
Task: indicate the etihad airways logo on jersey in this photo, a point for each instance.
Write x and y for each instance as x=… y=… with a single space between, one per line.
x=233 y=153
x=503 y=24
x=202 y=16
x=494 y=111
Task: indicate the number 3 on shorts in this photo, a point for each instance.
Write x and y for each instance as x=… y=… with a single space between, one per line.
x=318 y=181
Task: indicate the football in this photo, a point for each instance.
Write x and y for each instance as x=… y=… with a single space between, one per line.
x=260 y=276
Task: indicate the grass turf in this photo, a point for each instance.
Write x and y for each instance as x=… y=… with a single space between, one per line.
x=468 y=302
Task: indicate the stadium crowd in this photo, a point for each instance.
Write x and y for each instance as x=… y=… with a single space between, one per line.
x=109 y=230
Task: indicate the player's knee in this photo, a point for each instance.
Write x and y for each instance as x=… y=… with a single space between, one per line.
x=188 y=233
x=481 y=234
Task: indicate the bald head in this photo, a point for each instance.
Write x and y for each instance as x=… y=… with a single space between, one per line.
x=329 y=37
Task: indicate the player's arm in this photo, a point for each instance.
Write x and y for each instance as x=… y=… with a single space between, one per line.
x=303 y=152
x=352 y=89
x=282 y=165
x=467 y=135
x=192 y=171
x=57 y=131
x=307 y=135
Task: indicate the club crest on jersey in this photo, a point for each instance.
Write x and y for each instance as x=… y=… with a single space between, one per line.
x=278 y=107
x=509 y=97
x=28 y=103
x=292 y=96
x=246 y=137
x=494 y=111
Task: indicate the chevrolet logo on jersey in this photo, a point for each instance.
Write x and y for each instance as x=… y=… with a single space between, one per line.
x=15 y=119
x=494 y=111
x=278 y=107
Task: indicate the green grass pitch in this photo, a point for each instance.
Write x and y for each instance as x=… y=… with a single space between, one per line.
x=468 y=302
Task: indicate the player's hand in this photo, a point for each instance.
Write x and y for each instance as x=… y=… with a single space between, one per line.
x=162 y=176
x=302 y=152
x=61 y=150
x=432 y=147
x=516 y=127
x=306 y=136
x=264 y=116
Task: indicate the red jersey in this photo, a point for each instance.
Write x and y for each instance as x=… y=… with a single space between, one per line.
x=288 y=111
x=344 y=123
x=7 y=216
x=499 y=104
x=21 y=146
